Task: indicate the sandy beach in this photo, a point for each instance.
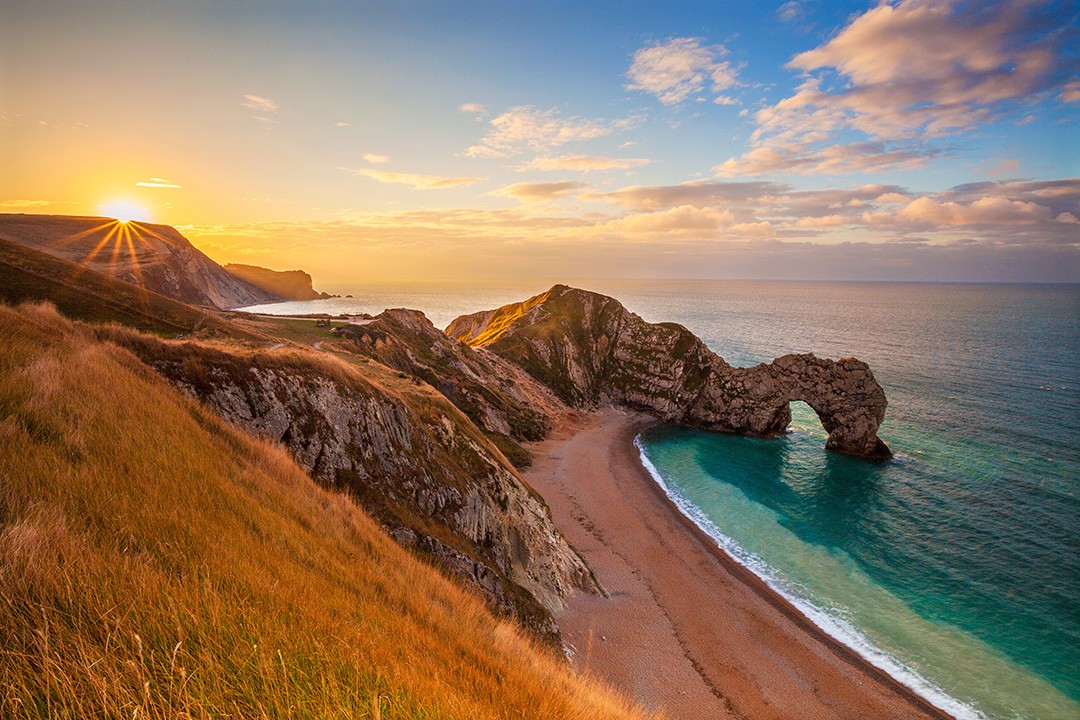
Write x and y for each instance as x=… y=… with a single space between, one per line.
x=684 y=627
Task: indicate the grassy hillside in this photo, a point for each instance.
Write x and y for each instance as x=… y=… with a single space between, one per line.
x=86 y=294
x=155 y=562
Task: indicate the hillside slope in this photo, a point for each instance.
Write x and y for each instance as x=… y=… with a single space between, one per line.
x=510 y=407
x=393 y=443
x=156 y=562
x=590 y=349
x=155 y=257
x=82 y=293
x=412 y=460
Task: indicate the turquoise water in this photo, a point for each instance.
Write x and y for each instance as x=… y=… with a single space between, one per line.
x=957 y=565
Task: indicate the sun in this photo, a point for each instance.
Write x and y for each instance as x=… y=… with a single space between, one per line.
x=125 y=211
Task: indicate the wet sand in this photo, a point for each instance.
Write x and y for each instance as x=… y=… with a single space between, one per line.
x=684 y=627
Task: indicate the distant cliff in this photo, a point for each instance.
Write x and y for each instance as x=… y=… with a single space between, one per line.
x=286 y=284
x=156 y=257
x=589 y=349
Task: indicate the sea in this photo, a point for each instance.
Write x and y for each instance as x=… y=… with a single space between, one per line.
x=955 y=566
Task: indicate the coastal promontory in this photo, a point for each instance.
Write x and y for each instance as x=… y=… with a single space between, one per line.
x=590 y=350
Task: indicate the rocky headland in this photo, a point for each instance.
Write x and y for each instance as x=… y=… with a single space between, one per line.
x=284 y=284
x=590 y=350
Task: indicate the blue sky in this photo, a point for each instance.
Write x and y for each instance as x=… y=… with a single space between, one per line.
x=913 y=139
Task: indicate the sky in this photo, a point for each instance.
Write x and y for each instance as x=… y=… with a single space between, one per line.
x=931 y=140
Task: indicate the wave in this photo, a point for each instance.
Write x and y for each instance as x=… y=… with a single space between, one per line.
x=831 y=623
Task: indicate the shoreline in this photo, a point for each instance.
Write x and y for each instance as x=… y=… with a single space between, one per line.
x=692 y=630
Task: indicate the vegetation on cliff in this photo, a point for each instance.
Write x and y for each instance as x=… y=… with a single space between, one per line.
x=157 y=562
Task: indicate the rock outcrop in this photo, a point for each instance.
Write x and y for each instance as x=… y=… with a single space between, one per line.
x=155 y=257
x=589 y=349
x=285 y=284
x=411 y=459
x=509 y=407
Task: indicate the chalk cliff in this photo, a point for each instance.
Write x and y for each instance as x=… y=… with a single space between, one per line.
x=509 y=405
x=285 y=284
x=408 y=456
x=590 y=349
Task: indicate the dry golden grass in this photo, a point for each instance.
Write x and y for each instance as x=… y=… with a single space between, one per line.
x=156 y=563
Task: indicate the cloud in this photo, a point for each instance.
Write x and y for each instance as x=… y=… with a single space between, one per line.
x=343 y=124
x=803 y=159
x=1071 y=93
x=789 y=11
x=682 y=220
x=696 y=194
x=417 y=181
x=155 y=182
x=28 y=204
x=583 y=163
x=906 y=72
x=375 y=159
x=526 y=128
x=474 y=108
x=680 y=68
x=930 y=213
x=1013 y=230
x=538 y=192
x=258 y=103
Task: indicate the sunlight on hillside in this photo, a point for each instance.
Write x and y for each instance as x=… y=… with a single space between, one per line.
x=155 y=562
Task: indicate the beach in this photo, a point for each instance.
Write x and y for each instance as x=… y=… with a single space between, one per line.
x=683 y=627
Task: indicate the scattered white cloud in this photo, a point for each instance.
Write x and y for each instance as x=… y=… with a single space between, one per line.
x=417 y=181
x=929 y=213
x=475 y=109
x=789 y=11
x=904 y=73
x=679 y=69
x=258 y=103
x=343 y=124
x=525 y=128
x=1071 y=93
x=156 y=182
x=539 y=193
x=375 y=159
x=803 y=159
x=583 y=163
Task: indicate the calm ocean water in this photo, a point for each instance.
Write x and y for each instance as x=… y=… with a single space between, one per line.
x=955 y=566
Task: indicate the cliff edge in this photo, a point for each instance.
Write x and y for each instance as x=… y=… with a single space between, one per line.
x=589 y=349
x=286 y=284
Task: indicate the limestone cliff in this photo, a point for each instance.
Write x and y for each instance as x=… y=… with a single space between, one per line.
x=589 y=349
x=413 y=461
x=509 y=407
x=155 y=257
x=285 y=284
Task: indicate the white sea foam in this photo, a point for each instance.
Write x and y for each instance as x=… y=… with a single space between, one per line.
x=830 y=622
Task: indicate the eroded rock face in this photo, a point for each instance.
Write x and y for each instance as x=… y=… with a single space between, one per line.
x=414 y=462
x=589 y=349
x=407 y=341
